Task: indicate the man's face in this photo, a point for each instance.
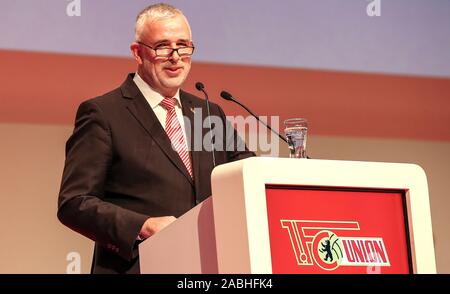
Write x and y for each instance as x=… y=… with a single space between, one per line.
x=165 y=74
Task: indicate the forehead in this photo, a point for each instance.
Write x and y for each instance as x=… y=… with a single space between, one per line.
x=170 y=29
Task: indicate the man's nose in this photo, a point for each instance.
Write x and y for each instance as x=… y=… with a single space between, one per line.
x=174 y=56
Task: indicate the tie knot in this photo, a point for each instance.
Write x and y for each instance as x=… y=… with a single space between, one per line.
x=168 y=103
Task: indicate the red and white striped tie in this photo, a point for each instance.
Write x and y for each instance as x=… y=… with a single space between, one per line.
x=175 y=132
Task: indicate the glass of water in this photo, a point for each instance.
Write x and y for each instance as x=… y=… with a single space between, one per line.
x=296 y=130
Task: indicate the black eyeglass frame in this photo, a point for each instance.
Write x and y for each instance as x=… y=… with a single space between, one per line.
x=171 y=52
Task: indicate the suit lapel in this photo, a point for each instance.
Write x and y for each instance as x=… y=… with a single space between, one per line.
x=142 y=112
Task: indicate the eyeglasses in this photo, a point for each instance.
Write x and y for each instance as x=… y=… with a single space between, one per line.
x=167 y=51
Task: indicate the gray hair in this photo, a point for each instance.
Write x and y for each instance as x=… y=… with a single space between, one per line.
x=153 y=13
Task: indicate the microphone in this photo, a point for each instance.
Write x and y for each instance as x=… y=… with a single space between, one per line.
x=227 y=96
x=200 y=87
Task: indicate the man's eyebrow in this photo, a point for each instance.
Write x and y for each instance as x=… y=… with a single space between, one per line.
x=161 y=42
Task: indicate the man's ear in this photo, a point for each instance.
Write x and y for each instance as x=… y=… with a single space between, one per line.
x=135 y=50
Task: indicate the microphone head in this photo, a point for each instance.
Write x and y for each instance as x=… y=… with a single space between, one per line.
x=199 y=86
x=227 y=96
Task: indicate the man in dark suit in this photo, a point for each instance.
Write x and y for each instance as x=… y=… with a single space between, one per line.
x=127 y=173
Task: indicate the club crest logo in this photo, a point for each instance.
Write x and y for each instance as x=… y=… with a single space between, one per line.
x=318 y=243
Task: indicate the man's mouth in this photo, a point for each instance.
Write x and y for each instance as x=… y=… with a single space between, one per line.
x=173 y=71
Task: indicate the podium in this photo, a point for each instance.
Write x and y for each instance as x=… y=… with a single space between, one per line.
x=280 y=215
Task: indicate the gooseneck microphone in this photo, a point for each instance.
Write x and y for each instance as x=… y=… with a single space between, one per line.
x=200 y=87
x=227 y=96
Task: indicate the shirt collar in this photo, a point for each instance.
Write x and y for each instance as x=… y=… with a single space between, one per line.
x=153 y=98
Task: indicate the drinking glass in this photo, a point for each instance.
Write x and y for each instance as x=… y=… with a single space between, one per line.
x=296 y=130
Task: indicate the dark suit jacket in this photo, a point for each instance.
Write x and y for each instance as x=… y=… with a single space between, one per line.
x=120 y=169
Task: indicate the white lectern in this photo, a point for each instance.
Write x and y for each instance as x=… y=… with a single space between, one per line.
x=279 y=215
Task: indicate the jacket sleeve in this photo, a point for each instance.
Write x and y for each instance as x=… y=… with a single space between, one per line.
x=81 y=203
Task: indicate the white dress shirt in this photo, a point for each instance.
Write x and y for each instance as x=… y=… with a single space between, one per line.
x=154 y=99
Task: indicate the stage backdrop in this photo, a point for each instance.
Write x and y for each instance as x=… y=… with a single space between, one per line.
x=374 y=88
